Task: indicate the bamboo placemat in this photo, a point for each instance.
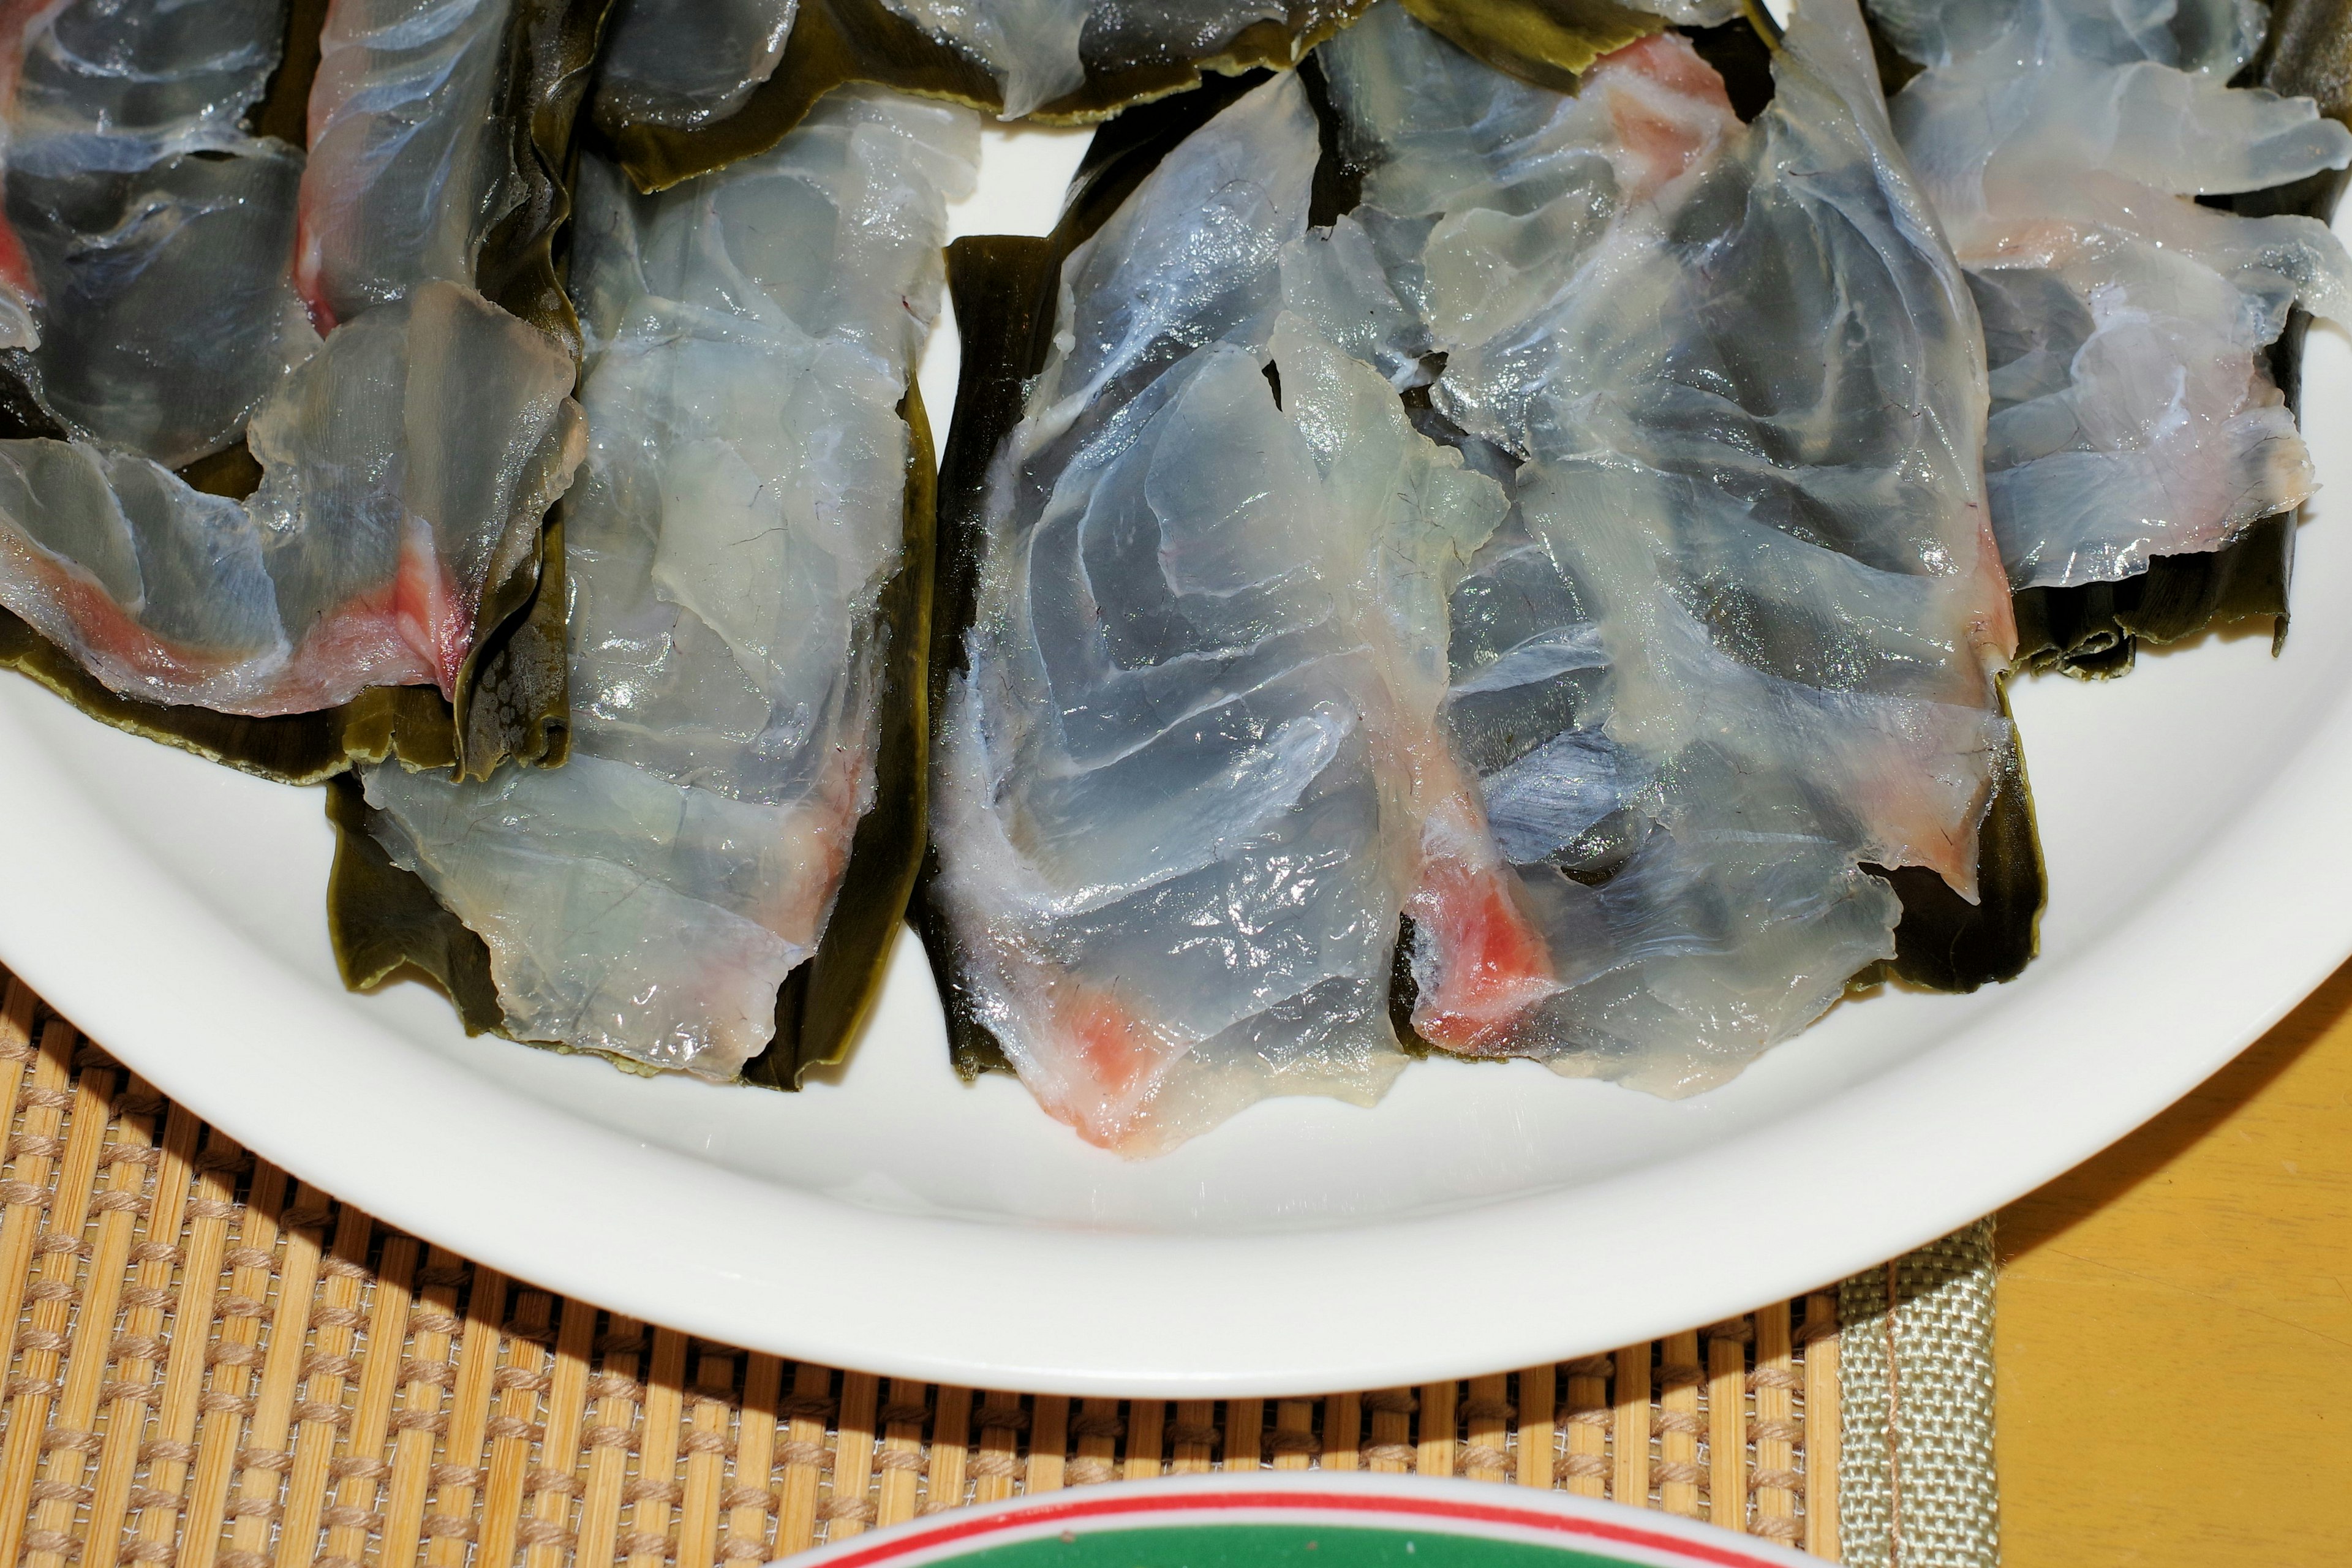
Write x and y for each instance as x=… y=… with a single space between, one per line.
x=217 y=1365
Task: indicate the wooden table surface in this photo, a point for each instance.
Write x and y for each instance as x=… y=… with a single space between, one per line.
x=2175 y=1326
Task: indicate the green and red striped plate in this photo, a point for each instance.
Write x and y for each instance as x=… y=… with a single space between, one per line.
x=1304 y=1520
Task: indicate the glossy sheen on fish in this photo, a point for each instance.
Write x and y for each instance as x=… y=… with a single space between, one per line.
x=1740 y=635
x=1181 y=788
x=752 y=334
x=406 y=172
x=2061 y=143
x=406 y=464
x=689 y=62
x=1039 y=50
x=407 y=459
x=156 y=229
x=20 y=24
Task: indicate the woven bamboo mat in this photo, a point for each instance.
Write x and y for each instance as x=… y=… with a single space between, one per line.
x=217 y=1365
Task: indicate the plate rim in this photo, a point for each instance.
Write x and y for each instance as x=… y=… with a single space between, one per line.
x=1981 y=1119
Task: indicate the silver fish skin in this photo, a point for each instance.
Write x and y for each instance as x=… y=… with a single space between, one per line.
x=2061 y=143
x=1741 y=634
x=688 y=63
x=751 y=334
x=1183 y=790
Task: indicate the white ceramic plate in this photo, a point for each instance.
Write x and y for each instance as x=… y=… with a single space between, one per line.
x=2198 y=818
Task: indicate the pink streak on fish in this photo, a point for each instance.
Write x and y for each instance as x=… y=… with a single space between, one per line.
x=20 y=22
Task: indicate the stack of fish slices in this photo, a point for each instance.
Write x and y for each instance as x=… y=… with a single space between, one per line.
x=1477 y=533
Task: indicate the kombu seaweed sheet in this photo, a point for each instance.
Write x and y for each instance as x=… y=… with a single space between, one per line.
x=838 y=41
x=1943 y=943
x=821 y=1004
x=386 y=924
x=1548 y=42
x=513 y=696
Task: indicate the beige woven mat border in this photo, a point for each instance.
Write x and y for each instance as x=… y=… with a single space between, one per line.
x=215 y=1365
x=1918 y=1383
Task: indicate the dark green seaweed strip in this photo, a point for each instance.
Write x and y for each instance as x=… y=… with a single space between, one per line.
x=831 y=42
x=1548 y=42
x=514 y=695
x=514 y=692
x=296 y=748
x=1003 y=289
x=1943 y=943
x=386 y=924
x=2094 y=629
x=1742 y=56
x=1115 y=85
x=284 y=110
x=837 y=41
x=821 y=1004
x=550 y=51
x=2307 y=53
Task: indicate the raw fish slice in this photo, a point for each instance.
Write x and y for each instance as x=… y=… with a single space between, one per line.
x=739 y=523
x=624 y=913
x=407 y=464
x=406 y=172
x=1033 y=48
x=689 y=62
x=166 y=308
x=1184 y=781
x=398 y=531
x=20 y=22
x=2133 y=411
x=123 y=85
x=84 y=533
x=155 y=228
x=1741 y=638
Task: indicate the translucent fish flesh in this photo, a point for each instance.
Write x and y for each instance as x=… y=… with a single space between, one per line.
x=20 y=21
x=407 y=466
x=2061 y=143
x=125 y=83
x=754 y=334
x=1184 y=791
x=689 y=62
x=408 y=169
x=156 y=229
x=407 y=460
x=1040 y=50
x=1740 y=635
